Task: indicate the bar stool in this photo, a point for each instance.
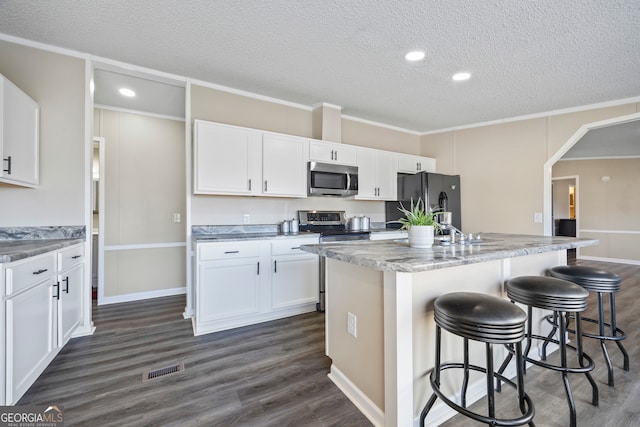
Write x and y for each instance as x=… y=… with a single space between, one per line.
x=601 y=282
x=487 y=319
x=561 y=297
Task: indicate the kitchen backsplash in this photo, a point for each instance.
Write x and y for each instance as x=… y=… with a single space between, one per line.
x=272 y=210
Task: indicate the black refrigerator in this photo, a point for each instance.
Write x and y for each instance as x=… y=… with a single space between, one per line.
x=438 y=191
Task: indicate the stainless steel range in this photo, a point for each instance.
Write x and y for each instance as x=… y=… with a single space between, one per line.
x=332 y=226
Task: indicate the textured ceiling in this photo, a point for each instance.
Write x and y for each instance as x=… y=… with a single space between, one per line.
x=526 y=57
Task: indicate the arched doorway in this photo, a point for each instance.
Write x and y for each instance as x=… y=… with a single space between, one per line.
x=547 y=202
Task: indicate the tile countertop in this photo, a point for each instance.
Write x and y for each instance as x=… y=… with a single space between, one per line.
x=14 y=250
x=400 y=257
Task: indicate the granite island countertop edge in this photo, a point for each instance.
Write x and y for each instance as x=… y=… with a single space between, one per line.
x=399 y=257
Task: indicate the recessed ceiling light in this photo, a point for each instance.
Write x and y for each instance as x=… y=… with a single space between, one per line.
x=416 y=55
x=461 y=76
x=127 y=92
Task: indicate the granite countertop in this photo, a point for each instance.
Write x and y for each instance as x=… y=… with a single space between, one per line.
x=398 y=256
x=231 y=237
x=14 y=250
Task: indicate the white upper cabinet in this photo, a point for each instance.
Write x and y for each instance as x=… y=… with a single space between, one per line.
x=248 y=162
x=284 y=165
x=408 y=163
x=19 y=136
x=377 y=175
x=331 y=152
x=226 y=159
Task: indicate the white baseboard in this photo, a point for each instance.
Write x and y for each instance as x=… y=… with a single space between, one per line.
x=613 y=260
x=142 y=296
x=357 y=397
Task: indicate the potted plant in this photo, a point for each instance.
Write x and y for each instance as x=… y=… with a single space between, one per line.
x=420 y=223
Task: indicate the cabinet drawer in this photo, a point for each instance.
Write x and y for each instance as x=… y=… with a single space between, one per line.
x=291 y=246
x=228 y=250
x=23 y=274
x=69 y=257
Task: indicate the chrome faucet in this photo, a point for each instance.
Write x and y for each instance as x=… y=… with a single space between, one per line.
x=445 y=224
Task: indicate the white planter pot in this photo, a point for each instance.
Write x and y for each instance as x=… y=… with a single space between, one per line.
x=421 y=236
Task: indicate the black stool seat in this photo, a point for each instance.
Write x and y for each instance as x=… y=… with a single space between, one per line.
x=547 y=293
x=491 y=320
x=480 y=317
x=602 y=283
x=591 y=279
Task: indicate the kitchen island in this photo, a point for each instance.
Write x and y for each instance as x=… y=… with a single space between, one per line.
x=379 y=314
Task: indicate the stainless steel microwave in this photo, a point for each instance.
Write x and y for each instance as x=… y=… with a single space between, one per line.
x=326 y=179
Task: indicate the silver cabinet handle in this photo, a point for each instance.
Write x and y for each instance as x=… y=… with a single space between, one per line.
x=275 y=266
x=40 y=271
x=297 y=247
x=249 y=185
x=258 y=272
x=265 y=185
x=336 y=159
x=232 y=252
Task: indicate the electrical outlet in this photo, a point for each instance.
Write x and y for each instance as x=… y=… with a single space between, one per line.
x=246 y=219
x=176 y=217
x=537 y=217
x=352 y=324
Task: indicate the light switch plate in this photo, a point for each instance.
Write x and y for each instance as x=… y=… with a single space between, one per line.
x=176 y=217
x=246 y=219
x=537 y=217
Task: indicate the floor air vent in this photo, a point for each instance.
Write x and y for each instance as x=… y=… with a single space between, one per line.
x=163 y=372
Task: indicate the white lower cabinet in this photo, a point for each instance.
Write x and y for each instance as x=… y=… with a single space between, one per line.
x=71 y=293
x=42 y=308
x=228 y=289
x=294 y=274
x=30 y=336
x=234 y=285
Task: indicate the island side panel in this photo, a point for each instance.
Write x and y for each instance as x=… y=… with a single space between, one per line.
x=360 y=360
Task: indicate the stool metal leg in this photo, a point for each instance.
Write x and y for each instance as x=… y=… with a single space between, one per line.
x=491 y=407
x=594 y=386
x=565 y=379
x=614 y=328
x=601 y=322
x=436 y=374
x=465 y=378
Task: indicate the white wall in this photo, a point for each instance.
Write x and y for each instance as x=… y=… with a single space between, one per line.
x=57 y=84
x=501 y=166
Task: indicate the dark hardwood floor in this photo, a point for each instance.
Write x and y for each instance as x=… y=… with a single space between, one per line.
x=275 y=374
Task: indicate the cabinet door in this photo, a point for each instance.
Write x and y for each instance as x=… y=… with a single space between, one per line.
x=408 y=163
x=328 y=152
x=226 y=159
x=294 y=281
x=30 y=337
x=19 y=136
x=70 y=303
x=284 y=165
x=227 y=289
x=386 y=176
x=367 y=185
